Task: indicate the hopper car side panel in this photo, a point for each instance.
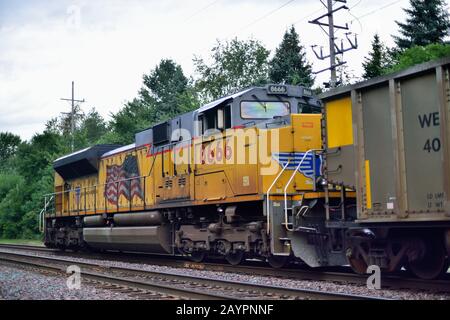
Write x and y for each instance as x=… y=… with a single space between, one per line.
x=399 y=157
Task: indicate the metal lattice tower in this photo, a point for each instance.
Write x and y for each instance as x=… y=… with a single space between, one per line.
x=334 y=48
x=72 y=114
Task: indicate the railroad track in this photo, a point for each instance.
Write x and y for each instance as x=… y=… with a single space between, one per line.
x=27 y=247
x=340 y=275
x=171 y=284
x=337 y=275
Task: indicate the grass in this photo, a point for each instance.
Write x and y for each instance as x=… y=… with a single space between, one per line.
x=21 y=241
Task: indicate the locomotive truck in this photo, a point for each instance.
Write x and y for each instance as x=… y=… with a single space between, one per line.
x=358 y=176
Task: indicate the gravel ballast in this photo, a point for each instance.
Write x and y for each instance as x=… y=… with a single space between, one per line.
x=254 y=279
x=20 y=284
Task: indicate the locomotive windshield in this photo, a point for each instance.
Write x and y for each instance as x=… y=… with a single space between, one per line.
x=264 y=110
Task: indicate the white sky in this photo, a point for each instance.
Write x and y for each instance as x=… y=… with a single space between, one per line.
x=45 y=44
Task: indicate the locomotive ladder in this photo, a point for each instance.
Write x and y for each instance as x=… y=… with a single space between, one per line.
x=289 y=225
x=268 y=194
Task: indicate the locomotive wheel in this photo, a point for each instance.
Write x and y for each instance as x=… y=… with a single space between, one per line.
x=235 y=258
x=278 y=262
x=358 y=265
x=197 y=256
x=433 y=264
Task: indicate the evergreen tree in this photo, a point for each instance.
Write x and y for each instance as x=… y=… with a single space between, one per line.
x=376 y=63
x=427 y=22
x=289 y=65
x=167 y=91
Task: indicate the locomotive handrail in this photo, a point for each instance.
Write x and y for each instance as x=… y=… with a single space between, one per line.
x=42 y=214
x=83 y=190
x=268 y=194
x=40 y=220
x=286 y=219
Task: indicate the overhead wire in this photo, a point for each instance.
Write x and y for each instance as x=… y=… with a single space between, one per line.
x=376 y=10
x=202 y=9
x=261 y=18
x=307 y=16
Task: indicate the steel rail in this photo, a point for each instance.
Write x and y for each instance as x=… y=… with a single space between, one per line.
x=170 y=290
x=27 y=247
x=258 y=289
x=342 y=275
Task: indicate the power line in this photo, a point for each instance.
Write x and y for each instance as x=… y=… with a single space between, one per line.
x=356 y=4
x=307 y=16
x=262 y=18
x=376 y=10
x=201 y=10
x=357 y=19
x=319 y=10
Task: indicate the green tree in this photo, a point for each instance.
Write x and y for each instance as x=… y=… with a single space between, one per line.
x=11 y=212
x=34 y=157
x=133 y=117
x=289 y=65
x=92 y=128
x=417 y=55
x=427 y=22
x=64 y=123
x=166 y=92
x=8 y=146
x=235 y=65
x=377 y=62
x=30 y=177
x=7 y=182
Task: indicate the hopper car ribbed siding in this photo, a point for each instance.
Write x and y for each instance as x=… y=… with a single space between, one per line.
x=394 y=133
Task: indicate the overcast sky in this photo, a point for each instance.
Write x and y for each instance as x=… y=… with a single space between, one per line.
x=107 y=45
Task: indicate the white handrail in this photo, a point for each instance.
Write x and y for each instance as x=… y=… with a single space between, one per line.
x=286 y=220
x=42 y=215
x=40 y=220
x=268 y=194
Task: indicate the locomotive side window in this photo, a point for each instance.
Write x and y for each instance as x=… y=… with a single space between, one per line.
x=228 y=117
x=215 y=119
x=308 y=109
x=260 y=110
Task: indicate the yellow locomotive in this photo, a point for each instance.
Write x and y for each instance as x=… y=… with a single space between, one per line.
x=228 y=179
x=359 y=177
